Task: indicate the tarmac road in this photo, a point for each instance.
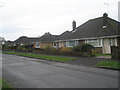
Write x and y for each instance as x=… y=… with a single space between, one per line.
x=24 y=72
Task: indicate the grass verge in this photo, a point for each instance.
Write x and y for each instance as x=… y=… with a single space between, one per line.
x=45 y=57
x=102 y=54
x=109 y=64
x=4 y=84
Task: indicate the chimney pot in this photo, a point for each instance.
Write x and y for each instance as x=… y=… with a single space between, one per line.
x=105 y=17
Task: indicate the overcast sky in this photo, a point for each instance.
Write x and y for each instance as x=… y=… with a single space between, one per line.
x=33 y=18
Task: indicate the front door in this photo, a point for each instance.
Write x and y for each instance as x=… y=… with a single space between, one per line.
x=106 y=46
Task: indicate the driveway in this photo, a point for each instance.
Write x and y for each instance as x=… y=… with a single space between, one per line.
x=24 y=72
x=89 y=61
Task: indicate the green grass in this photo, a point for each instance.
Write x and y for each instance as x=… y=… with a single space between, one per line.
x=5 y=84
x=109 y=64
x=45 y=57
x=102 y=54
x=0 y=83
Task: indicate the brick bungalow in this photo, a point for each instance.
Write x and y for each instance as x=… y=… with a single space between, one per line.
x=46 y=40
x=39 y=42
x=27 y=41
x=102 y=33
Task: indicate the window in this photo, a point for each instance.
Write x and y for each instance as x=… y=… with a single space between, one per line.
x=67 y=44
x=76 y=43
x=95 y=42
x=71 y=43
x=37 y=45
x=112 y=41
x=100 y=42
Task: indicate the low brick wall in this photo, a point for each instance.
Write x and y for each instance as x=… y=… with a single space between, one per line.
x=98 y=50
x=50 y=52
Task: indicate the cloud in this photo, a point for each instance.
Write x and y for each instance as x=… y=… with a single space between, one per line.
x=35 y=17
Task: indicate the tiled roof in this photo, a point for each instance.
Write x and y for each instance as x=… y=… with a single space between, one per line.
x=26 y=40
x=64 y=35
x=94 y=28
x=47 y=37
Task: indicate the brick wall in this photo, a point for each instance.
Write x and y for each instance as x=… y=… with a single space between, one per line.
x=98 y=50
x=45 y=44
x=81 y=42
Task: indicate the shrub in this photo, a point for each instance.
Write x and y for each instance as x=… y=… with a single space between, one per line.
x=65 y=49
x=13 y=47
x=5 y=46
x=48 y=47
x=77 y=48
x=87 y=48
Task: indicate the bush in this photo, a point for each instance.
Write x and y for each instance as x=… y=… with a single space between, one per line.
x=5 y=46
x=77 y=48
x=65 y=49
x=86 y=49
x=48 y=47
x=13 y=47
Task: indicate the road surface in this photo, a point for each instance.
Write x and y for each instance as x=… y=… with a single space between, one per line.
x=24 y=72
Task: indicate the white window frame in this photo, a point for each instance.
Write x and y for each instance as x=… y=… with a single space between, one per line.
x=76 y=43
x=68 y=43
x=37 y=45
x=99 y=41
x=111 y=41
x=54 y=44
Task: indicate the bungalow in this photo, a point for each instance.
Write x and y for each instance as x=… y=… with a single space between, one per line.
x=26 y=41
x=60 y=40
x=101 y=32
x=39 y=42
x=45 y=41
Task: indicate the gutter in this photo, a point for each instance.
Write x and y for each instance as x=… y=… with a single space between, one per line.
x=89 y=38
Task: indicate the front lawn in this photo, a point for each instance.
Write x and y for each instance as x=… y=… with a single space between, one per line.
x=102 y=54
x=45 y=57
x=109 y=64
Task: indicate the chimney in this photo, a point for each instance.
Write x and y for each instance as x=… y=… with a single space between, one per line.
x=105 y=17
x=47 y=33
x=74 y=25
